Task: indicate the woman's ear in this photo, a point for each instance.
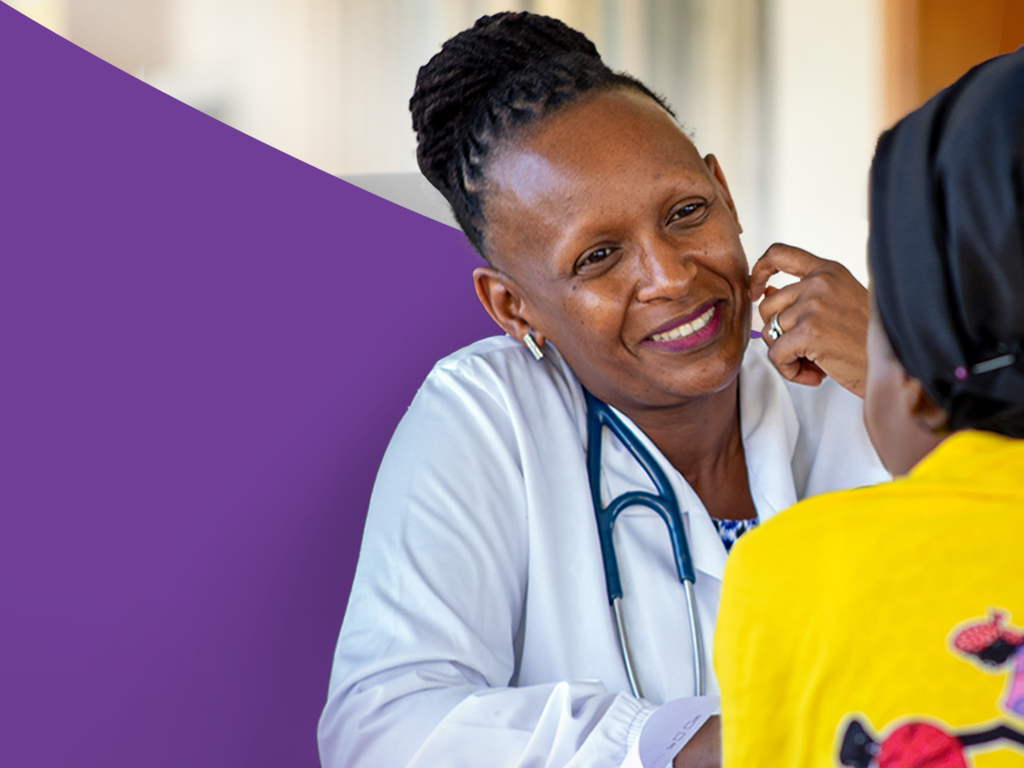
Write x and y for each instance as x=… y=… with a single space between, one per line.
x=503 y=301
x=719 y=176
x=920 y=407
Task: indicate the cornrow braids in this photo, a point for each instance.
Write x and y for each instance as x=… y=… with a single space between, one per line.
x=507 y=71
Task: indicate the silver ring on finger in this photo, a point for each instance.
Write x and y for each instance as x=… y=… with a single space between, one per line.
x=774 y=329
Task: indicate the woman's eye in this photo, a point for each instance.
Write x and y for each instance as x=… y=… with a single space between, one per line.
x=594 y=257
x=687 y=211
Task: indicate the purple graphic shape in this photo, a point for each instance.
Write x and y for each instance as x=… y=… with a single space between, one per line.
x=205 y=345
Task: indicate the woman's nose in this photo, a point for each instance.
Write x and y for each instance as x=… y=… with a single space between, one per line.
x=664 y=272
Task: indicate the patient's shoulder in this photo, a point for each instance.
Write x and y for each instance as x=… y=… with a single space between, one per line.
x=822 y=526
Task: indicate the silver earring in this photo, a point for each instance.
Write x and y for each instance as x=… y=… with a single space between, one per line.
x=532 y=346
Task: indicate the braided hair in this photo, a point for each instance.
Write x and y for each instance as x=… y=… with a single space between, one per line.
x=508 y=71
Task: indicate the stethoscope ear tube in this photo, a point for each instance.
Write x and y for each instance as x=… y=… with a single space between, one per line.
x=600 y=415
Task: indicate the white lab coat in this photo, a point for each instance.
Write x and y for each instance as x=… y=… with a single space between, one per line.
x=478 y=632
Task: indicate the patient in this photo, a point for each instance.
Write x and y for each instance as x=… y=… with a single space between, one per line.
x=888 y=631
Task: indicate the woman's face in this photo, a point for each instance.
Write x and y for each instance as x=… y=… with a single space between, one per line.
x=613 y=239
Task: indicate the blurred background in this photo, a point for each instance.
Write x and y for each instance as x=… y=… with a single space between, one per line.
x=789 y=94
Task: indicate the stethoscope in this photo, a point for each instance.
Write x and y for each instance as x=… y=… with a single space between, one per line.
x=600 y=415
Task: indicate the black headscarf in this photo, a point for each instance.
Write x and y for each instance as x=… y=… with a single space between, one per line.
x=947 y=245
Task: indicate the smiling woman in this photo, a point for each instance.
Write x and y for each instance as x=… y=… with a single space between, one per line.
x=615 y=194
x=478 y=631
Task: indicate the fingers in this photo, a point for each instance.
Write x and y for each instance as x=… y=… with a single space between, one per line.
x=823 y=318
x=781 y=258
x=794 y=351
x=791 y=307
x=798 y=309
x=777 y=300
x=810 y=374
x=801 y=371
x=824 y=292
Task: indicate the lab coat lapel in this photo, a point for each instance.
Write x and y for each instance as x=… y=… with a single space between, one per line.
x=770 y=430
x=705 y=544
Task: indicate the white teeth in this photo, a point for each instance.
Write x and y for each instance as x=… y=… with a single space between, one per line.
x=681 y=331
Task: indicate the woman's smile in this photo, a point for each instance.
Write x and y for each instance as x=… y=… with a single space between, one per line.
x=687 y=332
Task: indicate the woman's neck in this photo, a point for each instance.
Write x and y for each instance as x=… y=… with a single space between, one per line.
x=702 y=439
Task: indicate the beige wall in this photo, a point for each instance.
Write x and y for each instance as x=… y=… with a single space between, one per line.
x=826 y=116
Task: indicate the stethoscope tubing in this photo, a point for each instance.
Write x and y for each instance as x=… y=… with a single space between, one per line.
x=599 y=416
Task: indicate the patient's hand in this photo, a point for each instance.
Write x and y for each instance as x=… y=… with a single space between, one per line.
x=704 y=750
x=824 y=318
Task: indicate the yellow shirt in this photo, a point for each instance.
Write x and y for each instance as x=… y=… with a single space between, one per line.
x=850 y=606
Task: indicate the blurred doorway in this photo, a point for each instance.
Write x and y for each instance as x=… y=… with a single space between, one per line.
x=930 y=43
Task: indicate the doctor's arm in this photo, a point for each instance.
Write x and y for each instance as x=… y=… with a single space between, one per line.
x=426 y=662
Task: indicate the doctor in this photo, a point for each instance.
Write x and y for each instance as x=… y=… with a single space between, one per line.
x=478 y=631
